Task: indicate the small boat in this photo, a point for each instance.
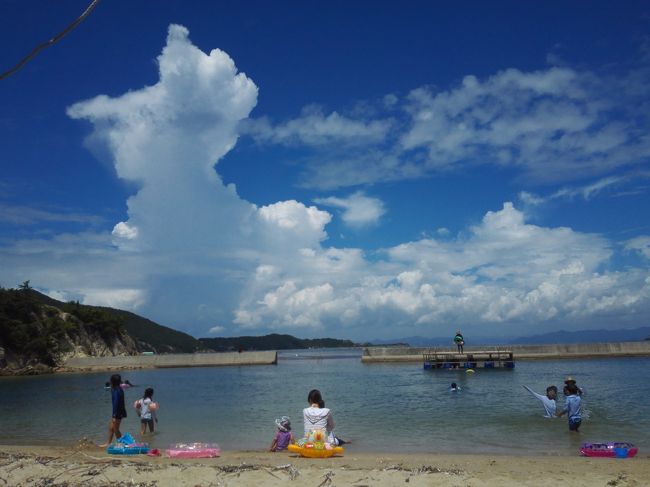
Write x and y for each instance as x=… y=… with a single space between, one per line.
x=609 y=450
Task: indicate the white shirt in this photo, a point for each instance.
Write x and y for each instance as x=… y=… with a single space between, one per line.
x=319 y=419
x=145 y=412
x=550 y=405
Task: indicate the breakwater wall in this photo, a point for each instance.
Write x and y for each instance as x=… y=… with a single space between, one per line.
x=521 y=352
x=171 y=360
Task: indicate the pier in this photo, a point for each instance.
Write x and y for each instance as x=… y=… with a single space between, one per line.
x=479 y=359
x=520 y=352
x=170 y=360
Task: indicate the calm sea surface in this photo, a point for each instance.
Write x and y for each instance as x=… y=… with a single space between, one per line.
x=380 y=407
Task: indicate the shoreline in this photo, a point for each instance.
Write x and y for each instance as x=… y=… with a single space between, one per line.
x=87 y=464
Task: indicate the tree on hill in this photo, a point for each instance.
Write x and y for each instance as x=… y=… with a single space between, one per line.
x=33 y=333
x=273 y=341
x=28 y=330
x=148 y=335
x=109 y=326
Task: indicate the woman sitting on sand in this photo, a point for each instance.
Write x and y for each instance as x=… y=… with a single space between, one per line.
x=318 y=417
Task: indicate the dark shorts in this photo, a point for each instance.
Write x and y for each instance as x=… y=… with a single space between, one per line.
x=574 y=425
x=120 y=413
x=147 y=422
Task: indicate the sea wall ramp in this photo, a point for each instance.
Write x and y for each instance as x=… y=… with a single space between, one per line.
x=172 y=360
x=520 y=352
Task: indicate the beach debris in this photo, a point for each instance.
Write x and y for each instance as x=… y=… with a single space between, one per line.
x=328 y=479
x=46 y=482
x=357 y=483
x=238 y=469
x=85 y=444
x=424 y=469
x=621 y=478
x=292 y=471
x=144 y=468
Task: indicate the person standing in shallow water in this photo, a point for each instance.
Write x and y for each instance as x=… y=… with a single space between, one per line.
x=459 y=341
x=548 y=401
x=570 y=381
x=119 y=409
x=573 y=407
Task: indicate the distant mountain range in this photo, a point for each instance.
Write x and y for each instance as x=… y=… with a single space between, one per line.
x=273 y=341
x=588 y=336
x=582 y=336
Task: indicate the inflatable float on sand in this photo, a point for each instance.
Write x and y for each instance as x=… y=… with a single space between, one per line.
x=609 y=450
x=126 y=445
x=315 y=445
x=193 y=450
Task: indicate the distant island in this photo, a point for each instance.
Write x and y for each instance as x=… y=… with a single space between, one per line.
x=273 y=341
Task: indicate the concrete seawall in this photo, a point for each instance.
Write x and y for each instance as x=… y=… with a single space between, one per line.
x=171 y=360
x=521 y=352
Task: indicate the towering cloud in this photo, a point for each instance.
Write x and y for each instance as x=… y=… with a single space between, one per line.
x=193 y=237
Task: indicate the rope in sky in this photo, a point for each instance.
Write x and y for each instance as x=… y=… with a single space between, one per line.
x=52 y=41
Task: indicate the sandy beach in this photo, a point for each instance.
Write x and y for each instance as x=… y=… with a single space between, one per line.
x=87 y=464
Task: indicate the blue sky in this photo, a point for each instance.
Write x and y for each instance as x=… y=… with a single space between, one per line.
x=349 y=169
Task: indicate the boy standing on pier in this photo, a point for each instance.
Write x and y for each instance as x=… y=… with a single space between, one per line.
x=459 y=341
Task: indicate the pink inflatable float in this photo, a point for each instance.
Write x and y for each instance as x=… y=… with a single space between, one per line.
x=193 y=450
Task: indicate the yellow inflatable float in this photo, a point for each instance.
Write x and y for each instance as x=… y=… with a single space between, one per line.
x=315 y=446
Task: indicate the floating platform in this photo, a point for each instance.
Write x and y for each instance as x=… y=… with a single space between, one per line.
x=479 y=359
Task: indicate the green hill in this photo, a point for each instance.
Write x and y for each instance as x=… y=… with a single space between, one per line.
x=36 y=336
x=149 y=336
x=273 y=341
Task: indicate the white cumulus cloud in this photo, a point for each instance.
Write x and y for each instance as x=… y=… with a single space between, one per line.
x=639 y=244
x=313 y=127
x=555 y=125
x=216 y=330
x=358 y=209
x=505 y=271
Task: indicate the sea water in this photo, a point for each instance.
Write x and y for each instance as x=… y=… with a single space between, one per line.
x=379 y=407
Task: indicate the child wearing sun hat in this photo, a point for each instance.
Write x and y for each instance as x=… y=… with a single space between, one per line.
x=284 y=436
